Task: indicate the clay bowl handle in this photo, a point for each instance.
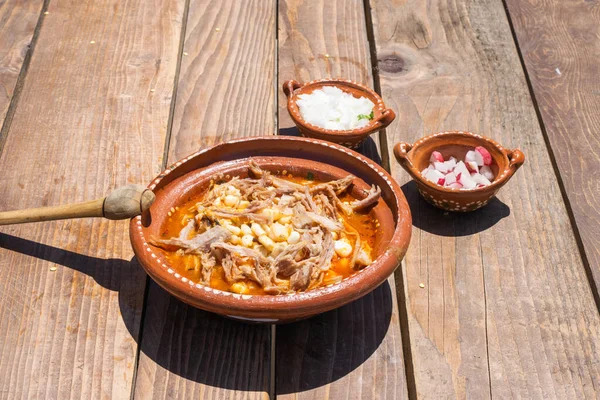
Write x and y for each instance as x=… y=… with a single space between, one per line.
x=386 y=118
x=123 y=203
x=516 y=158
x=401 y=150
x=290 y=86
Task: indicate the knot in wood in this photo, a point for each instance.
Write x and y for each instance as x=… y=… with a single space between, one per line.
x=391 y=63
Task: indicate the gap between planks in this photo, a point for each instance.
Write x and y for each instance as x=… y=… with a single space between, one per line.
x=273 y=352
x=14 y=101
x=556 y=170
x=385 y=162
x=184 y=19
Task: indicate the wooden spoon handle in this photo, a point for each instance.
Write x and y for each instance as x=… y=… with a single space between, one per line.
x=123 y=203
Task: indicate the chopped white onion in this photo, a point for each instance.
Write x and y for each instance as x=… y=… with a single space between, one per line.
x=332 y=108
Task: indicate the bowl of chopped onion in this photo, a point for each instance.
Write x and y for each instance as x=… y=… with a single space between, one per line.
x=272 y=229
x=337 y=110
x=458 y=171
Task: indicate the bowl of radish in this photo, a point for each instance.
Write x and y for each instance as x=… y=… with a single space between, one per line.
x=458 y=171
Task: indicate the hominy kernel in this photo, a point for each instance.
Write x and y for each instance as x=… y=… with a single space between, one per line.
x=247 y=240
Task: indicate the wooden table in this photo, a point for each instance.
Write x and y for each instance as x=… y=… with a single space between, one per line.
x=501 y=302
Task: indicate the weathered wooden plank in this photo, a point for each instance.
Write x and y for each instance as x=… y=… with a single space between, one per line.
x=92 y=115
x=506 y=309
x=227 y=75
x=560 y=45
x=355 y=351
x=18 y=19
x=225 y=90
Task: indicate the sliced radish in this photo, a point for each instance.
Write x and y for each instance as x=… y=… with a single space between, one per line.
x=436 y=156
x=487 y=172
x=473 y=172
x=485 y=155
x=434 y=175
x=472 y=166
x=479 y=159
x=467 y=181
x=470 y=156
x=450 y=164
x=481 y=180
x=441 y=166
x=461 y=168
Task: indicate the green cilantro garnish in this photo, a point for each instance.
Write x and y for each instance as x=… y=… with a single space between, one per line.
x=364 y=116
x=310 y=176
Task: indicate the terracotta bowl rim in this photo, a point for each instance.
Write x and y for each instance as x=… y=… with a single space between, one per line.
x=498 y=182
x=298 y=120
x=329 y=297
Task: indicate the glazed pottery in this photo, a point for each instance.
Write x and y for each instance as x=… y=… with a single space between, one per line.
x=352 y=138
x=415 y=158
x=190 y=178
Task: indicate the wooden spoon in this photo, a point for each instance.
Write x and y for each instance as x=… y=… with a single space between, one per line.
x=123 y=203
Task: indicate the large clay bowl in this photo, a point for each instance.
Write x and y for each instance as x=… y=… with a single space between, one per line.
x=414 y=158
x=325 y=161
x=352 y=138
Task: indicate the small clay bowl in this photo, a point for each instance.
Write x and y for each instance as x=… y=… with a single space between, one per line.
x=352 y=138
x=190 y=178
x=415 y=158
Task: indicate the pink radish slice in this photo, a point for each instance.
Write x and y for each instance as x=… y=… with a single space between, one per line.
x=434 y=176
x=479 y=159
x=436 y=156
x=450 y=178
x=472 y=166
x=467 y=181
x=480 y=180
x=455 y=185
x=441 y=166
x=470 y=156
x=450 y=164
x=487 y=172
x=461 y=168
x=441 y=181
x=485 y=155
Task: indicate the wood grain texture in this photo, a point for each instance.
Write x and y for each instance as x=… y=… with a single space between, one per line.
x=560 y=44
x=321 y=39
x=225 y=90
x=355 y=351
x=226 y=84
x=505 y=309
x=18 y=19
x=91 y=116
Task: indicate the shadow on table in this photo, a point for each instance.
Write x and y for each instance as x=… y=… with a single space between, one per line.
x=327 y=347
x=368 y=148
x=126 y=277
x=218 y=352
x=446 y=223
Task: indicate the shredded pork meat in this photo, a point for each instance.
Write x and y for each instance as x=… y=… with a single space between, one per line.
x=279 y=234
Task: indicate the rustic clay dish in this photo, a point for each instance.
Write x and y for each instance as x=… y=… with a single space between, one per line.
x=352 y=138
x=415 y=158
x=190 y=177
